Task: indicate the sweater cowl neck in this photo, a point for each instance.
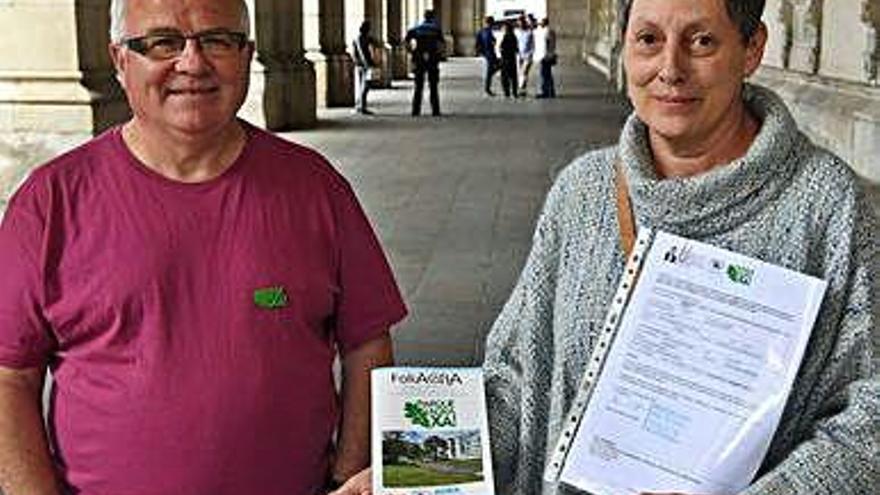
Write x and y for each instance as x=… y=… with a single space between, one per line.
x=725 y=196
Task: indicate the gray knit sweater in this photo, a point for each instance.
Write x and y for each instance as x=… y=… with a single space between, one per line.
x=787 y=202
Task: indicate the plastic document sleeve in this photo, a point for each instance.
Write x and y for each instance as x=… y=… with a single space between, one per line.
x=687 y=383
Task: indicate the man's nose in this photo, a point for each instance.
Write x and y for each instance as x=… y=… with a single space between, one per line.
x=673 y=64
x=192 y=59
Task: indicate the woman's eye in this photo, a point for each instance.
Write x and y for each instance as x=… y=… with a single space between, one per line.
x=703 y=42
x=646 y=38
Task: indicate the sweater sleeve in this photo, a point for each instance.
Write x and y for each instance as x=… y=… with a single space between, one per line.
x=518 y=366
x=840 y=454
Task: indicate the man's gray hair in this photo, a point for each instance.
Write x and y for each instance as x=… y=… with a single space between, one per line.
x=118 y=9
x=745 y=14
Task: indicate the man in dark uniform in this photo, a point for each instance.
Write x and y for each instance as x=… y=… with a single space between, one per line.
x=426 y=44
x=485 y=48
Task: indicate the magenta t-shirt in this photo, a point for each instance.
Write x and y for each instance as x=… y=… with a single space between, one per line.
x=190 y=328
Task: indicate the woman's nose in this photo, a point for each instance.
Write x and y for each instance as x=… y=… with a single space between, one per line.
x=673 y=65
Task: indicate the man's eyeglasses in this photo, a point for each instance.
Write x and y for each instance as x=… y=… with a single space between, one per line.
x=215 y=43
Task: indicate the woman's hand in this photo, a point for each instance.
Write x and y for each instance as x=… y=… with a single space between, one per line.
x=359 y=484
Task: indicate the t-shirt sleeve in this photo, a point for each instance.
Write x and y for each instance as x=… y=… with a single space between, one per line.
x=25 y=338
x=369 y=301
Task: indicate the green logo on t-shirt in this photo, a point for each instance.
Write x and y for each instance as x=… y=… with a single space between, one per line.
x=270 y=297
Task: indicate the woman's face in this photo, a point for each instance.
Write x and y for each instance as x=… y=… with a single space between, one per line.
x=685 y=62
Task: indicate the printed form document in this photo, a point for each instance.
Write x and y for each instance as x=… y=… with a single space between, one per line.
x=698 y=374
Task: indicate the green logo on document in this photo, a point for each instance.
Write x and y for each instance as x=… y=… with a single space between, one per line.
x=270 y=297
x=740 y=274
x=430 y=413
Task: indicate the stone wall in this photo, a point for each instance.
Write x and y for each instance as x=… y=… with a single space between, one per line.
x=822 y=58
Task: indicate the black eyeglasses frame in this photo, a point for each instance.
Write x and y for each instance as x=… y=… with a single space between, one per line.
x=138 y=44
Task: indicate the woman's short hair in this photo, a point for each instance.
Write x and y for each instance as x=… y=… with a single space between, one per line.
x=745 y=14
x=119 y=7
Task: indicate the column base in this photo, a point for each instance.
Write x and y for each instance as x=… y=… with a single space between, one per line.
x=802 y=58
x=340 y=80
x=382 y=76
x=399 y=62
x=57 y=102
x=319 y=62
x=290 y=99
x=450 y=45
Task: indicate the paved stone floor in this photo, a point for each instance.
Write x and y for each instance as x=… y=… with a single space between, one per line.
x=454 y=198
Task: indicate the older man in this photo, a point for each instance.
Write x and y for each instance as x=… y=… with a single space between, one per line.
x=188 y=279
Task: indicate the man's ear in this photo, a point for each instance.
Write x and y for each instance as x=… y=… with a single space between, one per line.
x=755 y=50
x=118 y=58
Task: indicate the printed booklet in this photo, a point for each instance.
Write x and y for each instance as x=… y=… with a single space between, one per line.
x=430 y=432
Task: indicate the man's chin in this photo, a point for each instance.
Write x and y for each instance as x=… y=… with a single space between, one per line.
x=197 y=125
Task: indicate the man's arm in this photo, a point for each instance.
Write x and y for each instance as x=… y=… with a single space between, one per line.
x=353 y=453
x=25 y=465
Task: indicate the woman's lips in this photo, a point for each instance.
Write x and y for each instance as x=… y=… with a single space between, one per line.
x=676 y=100
x=676 y=103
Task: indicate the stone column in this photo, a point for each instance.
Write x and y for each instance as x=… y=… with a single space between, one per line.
x=777 y=15
x=55 y=73
x=395 y=31
x=57 y=83
x=374 y=11
x=866 y=129
x=604 y=42
x=466 y=20
x=312 y=46
x=289 y=101
x=443 y=9
x=806 y=35
x=252 y=109
x=849 y=38
x=340 y=67
x=871 y=57
x=108 y=102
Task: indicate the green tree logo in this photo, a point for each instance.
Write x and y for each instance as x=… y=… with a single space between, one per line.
x=430 y=413
x=740 y=274
x=415 y=412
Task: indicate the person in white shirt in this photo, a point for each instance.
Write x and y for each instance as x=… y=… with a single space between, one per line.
x=362 y=49
x=545 y=54
x=526 y=41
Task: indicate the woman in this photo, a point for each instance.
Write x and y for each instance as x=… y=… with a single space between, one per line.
x=707 y=157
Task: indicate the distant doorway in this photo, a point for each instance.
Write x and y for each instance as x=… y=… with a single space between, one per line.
x=511 y=9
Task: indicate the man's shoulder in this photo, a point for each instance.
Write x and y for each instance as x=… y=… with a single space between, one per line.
x=80 y=159
x=284 y=160
x=66 y=169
